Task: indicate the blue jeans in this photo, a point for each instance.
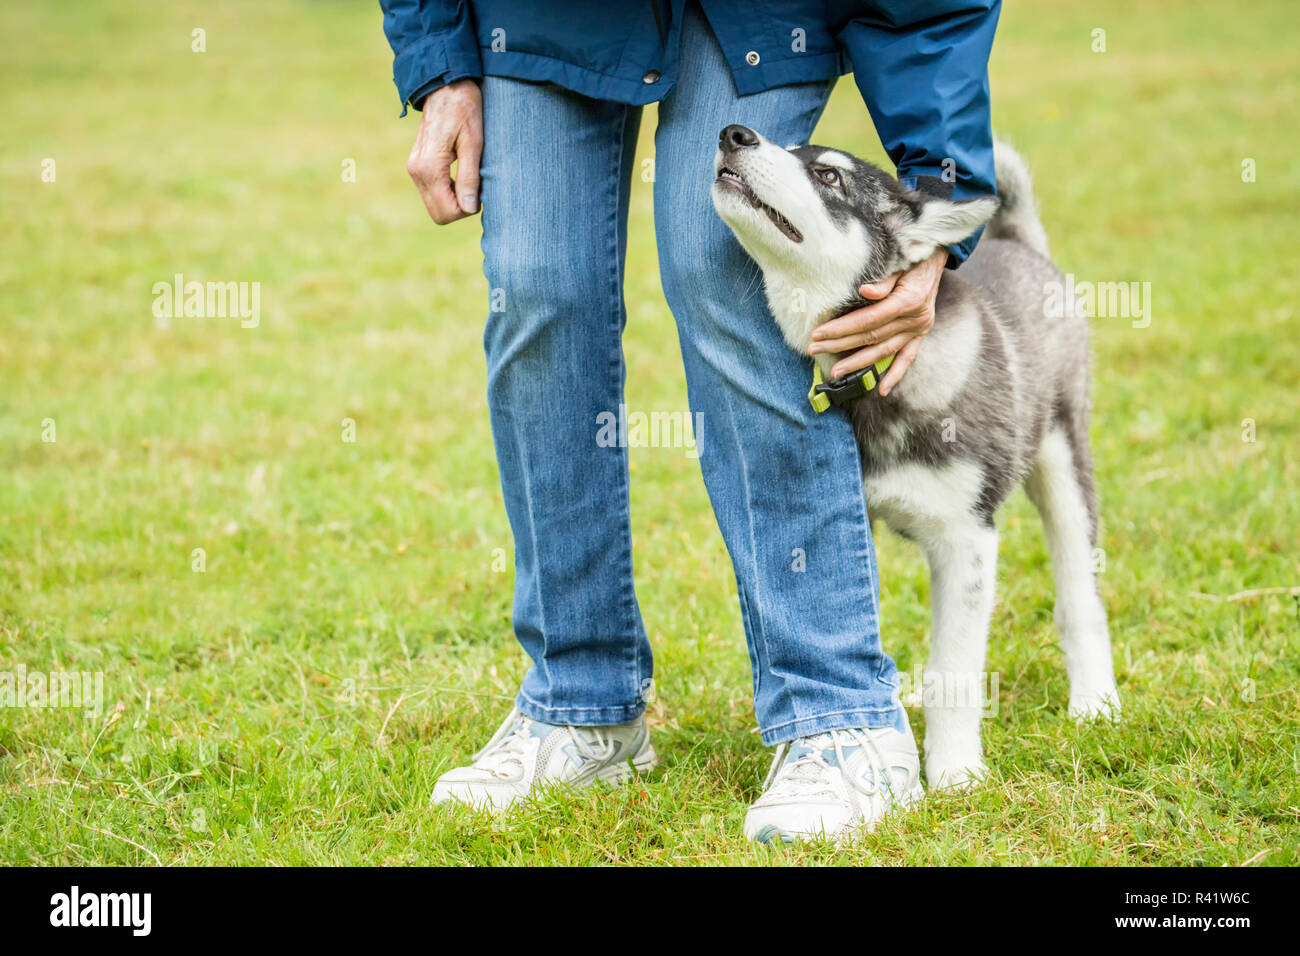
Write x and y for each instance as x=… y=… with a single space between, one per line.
x=784 y=482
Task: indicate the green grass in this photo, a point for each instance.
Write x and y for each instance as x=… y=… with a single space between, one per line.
x=350 y=637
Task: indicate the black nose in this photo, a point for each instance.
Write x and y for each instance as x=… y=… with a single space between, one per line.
x=736 y=137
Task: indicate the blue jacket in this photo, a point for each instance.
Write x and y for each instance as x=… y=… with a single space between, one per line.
x=921 y=65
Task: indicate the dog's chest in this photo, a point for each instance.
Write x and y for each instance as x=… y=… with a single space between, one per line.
x=919 y=500
x=915 y=443
x=911 y=441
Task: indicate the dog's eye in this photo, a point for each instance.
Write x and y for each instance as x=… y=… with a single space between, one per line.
x=831 y=177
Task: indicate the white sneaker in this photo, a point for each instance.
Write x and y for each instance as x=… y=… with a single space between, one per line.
x=832 y=785
x=525 y=753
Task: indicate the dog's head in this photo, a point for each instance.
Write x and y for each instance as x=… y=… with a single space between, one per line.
x=810 y=211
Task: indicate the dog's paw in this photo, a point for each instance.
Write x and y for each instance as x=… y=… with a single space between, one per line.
x=1104 y=705
x=954 y=775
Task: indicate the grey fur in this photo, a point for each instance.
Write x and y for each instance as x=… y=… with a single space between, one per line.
x=1016 y=386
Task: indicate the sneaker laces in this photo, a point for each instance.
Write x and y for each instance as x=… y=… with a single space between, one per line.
x=497 y=756
x=585 y=747
x=809 y=774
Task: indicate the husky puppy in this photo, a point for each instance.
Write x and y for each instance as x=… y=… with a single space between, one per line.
x=997 y=397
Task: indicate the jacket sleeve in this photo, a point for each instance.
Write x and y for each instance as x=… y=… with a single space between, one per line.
x=433 y=44
x=922 y=68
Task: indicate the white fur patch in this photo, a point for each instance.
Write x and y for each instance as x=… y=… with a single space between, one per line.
x=963 y=590
x=837 y=159
x=923 y=502
x=1080 y=616
x=943 y=223
x=936 y=507
x=944 y=363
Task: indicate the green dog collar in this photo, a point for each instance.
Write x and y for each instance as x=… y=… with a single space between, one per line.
x=841 y=391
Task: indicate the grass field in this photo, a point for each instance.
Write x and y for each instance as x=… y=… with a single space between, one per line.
x=349 y=636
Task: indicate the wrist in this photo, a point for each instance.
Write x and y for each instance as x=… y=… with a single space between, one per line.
x=443 y=90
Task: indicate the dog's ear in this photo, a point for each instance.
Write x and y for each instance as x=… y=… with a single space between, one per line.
x=942 y=222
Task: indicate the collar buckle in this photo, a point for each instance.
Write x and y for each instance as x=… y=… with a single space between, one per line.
x=839 y=392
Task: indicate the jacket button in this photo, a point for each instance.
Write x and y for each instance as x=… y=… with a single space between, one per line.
x=651 y=76
x=752 y=58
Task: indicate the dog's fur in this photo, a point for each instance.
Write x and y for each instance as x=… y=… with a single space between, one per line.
x=997 y=397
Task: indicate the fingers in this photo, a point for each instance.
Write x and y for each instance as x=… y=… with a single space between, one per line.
x=864 y=339
x=903 y=303
x=870 y=356
x=469 y=150
x=893 y=326
x=430 y=169
x=902 y=362
x=880 y=288
x=451 y=130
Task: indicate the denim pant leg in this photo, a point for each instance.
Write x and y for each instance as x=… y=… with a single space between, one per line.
x=785 y=483
x=556 y=172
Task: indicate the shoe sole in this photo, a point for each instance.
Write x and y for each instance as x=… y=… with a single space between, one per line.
x=772 y=833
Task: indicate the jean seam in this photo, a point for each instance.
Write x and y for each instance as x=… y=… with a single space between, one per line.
x=867 y=713
x=633 y=709
x=745 y=615
x=833 y=713
x=617 y=368
x=755 y=620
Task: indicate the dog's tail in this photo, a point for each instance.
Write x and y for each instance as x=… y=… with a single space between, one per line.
x=1017 y=216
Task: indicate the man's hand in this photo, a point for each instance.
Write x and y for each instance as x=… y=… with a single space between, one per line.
x=451 y=128
x=900 y=314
